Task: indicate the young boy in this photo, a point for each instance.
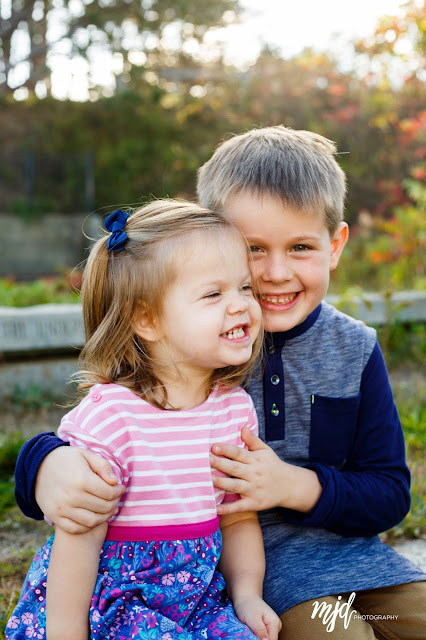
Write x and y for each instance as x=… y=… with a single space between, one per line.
x=330 y=473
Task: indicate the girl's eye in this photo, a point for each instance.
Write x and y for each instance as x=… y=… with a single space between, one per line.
x=247 y=288
x=213 y=294
x=255 y=249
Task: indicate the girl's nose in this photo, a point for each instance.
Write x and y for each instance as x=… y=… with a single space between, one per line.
x=238 y=304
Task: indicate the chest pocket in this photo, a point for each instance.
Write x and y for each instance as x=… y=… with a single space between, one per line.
x=333 y=424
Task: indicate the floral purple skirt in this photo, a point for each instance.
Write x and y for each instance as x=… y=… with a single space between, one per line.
x=151 y=590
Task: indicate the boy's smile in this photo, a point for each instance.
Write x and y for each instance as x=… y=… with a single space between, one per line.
x=293 y=255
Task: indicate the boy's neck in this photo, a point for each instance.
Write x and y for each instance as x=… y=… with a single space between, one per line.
x=298 y=329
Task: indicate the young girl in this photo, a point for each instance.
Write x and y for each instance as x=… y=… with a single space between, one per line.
x=172 y=328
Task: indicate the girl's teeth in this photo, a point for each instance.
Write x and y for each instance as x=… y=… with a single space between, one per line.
x=235 y=333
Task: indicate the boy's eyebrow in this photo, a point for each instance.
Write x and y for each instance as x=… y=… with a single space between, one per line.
x=252 y=239
x=305 y=237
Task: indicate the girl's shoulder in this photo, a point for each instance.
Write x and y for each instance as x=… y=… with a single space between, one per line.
x=111 y=392
x=106 y=408
x=107 y=399
x=236 y=405
x=235 y=396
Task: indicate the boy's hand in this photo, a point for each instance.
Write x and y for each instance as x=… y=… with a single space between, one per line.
x=261 y=478
x=259 y=617
x=75 y=489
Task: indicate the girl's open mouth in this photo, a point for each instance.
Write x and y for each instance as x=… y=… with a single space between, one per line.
x=237 y=333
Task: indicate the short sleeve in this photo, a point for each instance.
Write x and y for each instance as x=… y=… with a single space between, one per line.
x=83 y=438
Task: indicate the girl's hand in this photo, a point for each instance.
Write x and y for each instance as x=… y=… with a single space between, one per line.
x=75 y=489
x=259 y=617
x=261 y=478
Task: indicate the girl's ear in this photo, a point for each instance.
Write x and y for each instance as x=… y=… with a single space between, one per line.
x=338 y=242
x=146 y=327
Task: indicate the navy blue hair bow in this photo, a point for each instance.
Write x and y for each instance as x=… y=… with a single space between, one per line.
x=115 y=223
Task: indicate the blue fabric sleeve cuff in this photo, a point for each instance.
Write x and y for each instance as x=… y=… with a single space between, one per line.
x=29 y=460
x=320 y=513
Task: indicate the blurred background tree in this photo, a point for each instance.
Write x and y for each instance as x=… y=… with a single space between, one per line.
x=31 y=30
x=173 y=99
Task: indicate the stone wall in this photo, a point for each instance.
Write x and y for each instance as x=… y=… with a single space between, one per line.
x=45 y=244
x=50 y=375
x=39 y=346
x=42 y=328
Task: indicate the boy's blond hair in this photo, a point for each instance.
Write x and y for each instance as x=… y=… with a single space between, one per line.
x=297 y=166
x=117 y=286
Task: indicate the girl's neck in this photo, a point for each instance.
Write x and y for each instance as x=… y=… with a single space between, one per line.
x=186 y=393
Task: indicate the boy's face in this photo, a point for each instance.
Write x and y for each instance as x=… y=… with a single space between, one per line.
x=293 y=255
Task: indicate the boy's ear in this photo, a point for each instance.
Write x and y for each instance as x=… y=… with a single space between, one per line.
x=146 y=327
x=338 y=242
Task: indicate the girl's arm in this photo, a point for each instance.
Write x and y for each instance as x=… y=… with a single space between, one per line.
x=242 y=564
x=71 y=578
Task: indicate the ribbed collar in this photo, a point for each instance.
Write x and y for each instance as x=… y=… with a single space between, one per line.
x=280 y=337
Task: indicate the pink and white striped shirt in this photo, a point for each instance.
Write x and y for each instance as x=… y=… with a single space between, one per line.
x=161 y=456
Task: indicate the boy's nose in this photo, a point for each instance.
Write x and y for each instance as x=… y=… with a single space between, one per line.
x=277 y=270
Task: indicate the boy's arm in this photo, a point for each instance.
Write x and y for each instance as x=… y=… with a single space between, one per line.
x=368 y=496
x=73 y=568
x=242 y=564
x=28 y=463
x=73 y=487
x=372 y=492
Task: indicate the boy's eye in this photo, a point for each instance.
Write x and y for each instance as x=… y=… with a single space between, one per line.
x=300 y=247
x=247 y=288
x=213 y=294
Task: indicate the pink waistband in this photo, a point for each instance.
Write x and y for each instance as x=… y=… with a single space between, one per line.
x=168 y=532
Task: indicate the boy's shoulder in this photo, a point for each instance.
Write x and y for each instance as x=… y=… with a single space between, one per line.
x=343 y=322
x=345 y=332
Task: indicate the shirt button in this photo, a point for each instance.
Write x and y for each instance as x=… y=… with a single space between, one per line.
x=271 y=349
x=96 y=396
x=275 y=411
x=275 y=379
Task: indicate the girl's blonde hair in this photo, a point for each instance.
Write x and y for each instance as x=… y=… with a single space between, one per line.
x=118 y=285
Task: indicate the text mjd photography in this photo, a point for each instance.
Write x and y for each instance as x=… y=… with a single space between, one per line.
x=342 y=610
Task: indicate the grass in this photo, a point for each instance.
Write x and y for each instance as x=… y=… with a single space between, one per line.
x=58 y=289
x=412 y=411
x=30 y=398
x=409 y=389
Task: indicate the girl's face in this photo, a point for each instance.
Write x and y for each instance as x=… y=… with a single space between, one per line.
x=210 y=316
